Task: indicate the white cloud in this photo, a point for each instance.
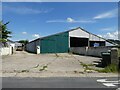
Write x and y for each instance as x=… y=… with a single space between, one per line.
x=36 y=35
x=25 y=10
x=110 y=35
x=24 y=32
x=109 y=14
x=70 y=20
x=100 y=35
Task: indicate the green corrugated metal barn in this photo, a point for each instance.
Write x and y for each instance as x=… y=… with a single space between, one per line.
x=62 y=42
x=58 y=43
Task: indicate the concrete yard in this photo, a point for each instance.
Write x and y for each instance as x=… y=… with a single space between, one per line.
x=23 y=64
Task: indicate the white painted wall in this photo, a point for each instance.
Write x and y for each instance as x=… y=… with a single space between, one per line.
x=83 y=34
x=38 y=46
x=13 y=45
x=6 y=51
x=79 y=33
x=95 y=38
x=38 y=49
x=91 y=51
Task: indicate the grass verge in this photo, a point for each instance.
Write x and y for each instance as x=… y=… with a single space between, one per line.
x=109 y=69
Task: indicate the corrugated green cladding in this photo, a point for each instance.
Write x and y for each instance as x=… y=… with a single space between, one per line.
x=55 y=44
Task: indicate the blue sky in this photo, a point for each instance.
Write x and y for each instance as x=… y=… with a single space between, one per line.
x=30 y=20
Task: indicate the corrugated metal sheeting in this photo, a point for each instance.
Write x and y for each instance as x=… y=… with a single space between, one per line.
x=55 y=44
x=32 y=46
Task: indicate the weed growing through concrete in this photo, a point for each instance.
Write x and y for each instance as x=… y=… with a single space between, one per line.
x=86 y=66
x=57 y=55
x=25 y=71
x=36 y=66
x=43 y=68
x=109 y=69
x=21 y=71
x=75 y=71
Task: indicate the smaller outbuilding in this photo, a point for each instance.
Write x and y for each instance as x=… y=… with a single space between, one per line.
x=11 y=43
x=7 y=48
x=62 y=42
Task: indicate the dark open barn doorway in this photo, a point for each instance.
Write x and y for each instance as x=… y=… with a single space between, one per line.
x=78 y=42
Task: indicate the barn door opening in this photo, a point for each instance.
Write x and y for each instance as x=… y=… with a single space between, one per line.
x=78 y=42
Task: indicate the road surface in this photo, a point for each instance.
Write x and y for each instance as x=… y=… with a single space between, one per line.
x=60 y=82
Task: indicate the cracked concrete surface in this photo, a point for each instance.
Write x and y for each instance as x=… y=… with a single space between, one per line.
x=23 y=64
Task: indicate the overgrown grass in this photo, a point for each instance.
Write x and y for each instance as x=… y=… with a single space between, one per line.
x=109 y=69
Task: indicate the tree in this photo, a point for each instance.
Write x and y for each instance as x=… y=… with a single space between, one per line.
x=23 y=41
x=4 y=32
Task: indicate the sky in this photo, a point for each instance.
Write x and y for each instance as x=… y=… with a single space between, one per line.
x=31 y=20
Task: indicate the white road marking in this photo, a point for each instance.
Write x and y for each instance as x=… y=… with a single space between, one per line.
x=105 y=81
x=108 y=83
x=118 y=89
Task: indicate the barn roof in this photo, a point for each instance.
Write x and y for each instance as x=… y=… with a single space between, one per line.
x=73 y=30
